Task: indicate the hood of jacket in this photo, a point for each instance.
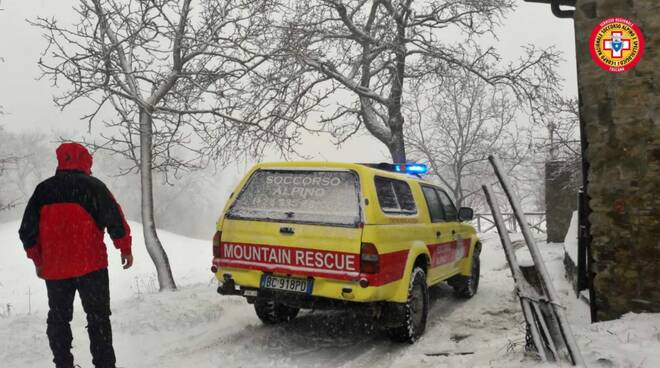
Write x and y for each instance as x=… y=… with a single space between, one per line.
x=74 y=156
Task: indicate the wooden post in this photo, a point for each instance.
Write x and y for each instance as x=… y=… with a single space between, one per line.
x=522 y=288
x=564 y=327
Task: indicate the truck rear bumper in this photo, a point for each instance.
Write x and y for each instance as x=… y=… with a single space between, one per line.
x=237 y=281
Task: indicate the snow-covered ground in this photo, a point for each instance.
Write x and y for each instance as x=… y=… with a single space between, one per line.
x=196 y=327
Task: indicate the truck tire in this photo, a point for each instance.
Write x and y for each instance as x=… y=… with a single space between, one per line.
x=466 y=286
x=270 y=312
x=412 y=315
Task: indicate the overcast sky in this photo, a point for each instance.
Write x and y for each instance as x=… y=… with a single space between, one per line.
x=28 y=101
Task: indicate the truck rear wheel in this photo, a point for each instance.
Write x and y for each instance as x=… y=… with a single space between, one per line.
x=467 y=286
x=270 y=312
x=412 y=315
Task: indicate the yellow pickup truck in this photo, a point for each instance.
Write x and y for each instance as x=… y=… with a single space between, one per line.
x=315 y=235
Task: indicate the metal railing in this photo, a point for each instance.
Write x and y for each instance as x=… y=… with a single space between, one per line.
x=485 y=222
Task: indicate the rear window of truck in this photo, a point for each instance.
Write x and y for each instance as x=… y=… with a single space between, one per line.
x=320 y=197
x=394 y=196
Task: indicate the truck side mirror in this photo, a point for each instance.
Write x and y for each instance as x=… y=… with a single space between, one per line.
x=465 y=214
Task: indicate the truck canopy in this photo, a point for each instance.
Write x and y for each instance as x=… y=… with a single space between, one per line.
x=300 y=196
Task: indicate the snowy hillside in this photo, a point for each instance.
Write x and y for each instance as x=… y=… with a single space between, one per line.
x=196 y=327
x=190 y=261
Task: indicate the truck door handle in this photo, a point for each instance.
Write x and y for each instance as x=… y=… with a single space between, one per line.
x=287 y=230
x=438 y=234
x=453 y=232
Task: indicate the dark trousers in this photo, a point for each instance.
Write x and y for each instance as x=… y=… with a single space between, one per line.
x=94 y=292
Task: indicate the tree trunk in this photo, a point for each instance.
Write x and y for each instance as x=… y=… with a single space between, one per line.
x=154 y=247
x=458 y=201
x=397 y=150
x=396 y=144
x=458 y=191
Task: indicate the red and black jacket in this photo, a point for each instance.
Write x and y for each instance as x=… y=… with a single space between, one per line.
x=65 y=219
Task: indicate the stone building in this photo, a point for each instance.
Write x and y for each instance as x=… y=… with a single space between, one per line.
x=561 y=198
x=619 y=113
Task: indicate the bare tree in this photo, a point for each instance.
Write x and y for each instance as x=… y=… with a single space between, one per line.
x=5 y=158
x=22 y=167
x=31 y=168
x=560 y=117
x=455 y=123
x=5 y=203
x=7 y=161
x=357 y=55
x=176 y=76
x=559 y=141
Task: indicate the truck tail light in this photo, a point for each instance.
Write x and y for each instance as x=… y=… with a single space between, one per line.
x=369 y=258
x=216 y=251
x=216 y=244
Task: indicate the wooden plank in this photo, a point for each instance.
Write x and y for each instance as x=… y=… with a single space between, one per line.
x=518 y=277
x=564 y=327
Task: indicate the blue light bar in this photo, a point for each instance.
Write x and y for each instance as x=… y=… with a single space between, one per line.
x=417 y=169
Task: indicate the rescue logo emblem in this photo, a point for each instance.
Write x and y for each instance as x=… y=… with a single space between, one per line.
x=616 y=44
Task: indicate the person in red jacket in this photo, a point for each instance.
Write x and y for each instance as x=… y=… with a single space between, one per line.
x=62 y=232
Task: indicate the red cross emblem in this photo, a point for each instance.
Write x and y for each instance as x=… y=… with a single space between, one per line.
x=616 y=45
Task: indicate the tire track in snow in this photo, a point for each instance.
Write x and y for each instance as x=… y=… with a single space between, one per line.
x=344 y=339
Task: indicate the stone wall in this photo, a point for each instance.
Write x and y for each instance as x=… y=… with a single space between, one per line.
x=560 y=198
x=620 y=113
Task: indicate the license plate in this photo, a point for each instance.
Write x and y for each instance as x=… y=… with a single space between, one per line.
x=287 y=284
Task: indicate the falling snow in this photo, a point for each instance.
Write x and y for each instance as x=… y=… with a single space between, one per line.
x=196 y=327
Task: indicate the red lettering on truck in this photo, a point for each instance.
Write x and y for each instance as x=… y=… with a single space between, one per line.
x=268 y=256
